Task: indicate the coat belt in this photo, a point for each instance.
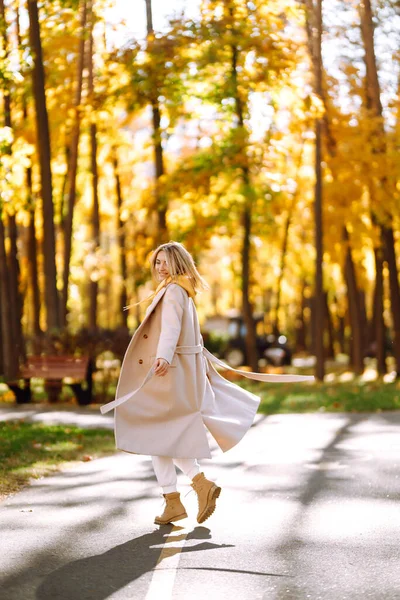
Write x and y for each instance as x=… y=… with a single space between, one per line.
x=199 y=348
x=189 y=349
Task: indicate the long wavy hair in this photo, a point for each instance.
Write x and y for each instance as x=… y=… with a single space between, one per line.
x=180 y=262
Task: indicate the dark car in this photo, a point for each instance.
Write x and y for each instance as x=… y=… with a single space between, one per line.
x=272 y=349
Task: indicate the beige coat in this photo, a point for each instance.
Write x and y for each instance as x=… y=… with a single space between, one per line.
x=168 y=416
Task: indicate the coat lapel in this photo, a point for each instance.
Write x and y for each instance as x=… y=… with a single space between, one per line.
x=149 y=310
x=154 y=302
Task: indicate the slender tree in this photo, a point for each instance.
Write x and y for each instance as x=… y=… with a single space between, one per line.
x=32 y=249
x=378 y=323
x=10 y=365
x=314 y=21
x=1 y=328
x=353 y=299
x=32 y=252
x=73 y=162
x=43 y=147
x=285 y=244
x=374 y=106
x=159 y=169
x=12 y=266
x=123 y=299
x=94 y=286
x=15 y=283
x=248 y=194
x=13 y=261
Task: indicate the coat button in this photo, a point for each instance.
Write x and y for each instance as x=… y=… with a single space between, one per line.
x=145 y=336
x=140 y=362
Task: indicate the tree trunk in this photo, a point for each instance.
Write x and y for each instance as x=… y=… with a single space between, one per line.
x=10 y=362
x=328 y=327
x=95 y=177
x=373 y=88
x=16 y=299
x=319 y=294
x=43 y=144
x=1 y=331
x=63 y=194
x=314 y=34
x=32 y=264
x=301 y=326
x=251 y=338
x=123 y=301
x=73 y=165
x=363 y=317
x=353 y=299
x=341 y=337
x=390 y=256
x=374 y=104
x=319 y=291
x=13 y=264
x=31 y=249
x=29 y=206
x=276 y=326
x=378 y=311
x=160 y=200
x=94 y=286
x=4 y=81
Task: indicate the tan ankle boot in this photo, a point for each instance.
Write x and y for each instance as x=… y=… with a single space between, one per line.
x=173 y=511
x=207 y=494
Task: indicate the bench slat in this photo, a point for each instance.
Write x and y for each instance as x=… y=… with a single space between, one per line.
x=55 y=367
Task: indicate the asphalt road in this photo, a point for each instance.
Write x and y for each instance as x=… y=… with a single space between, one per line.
x=309 y=509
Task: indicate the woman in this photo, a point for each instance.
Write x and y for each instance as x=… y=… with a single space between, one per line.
x=169 y=393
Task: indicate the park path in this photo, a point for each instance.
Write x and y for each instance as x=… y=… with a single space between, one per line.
x=309 y=509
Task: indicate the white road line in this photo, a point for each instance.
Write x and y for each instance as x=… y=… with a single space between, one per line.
x=162 y=582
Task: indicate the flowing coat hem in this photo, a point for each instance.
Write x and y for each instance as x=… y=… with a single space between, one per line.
x=226 y=410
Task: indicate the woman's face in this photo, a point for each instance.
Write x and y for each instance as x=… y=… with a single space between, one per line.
x=161 y=265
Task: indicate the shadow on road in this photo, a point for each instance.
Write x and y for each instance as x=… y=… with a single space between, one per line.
x=99 y=576
x=307 y=542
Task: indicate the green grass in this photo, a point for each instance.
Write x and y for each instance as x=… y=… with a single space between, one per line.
x=32 y=450
x=333 y=397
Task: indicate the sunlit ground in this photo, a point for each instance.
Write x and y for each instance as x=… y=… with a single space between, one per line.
x=338 y=370
x=341 y=391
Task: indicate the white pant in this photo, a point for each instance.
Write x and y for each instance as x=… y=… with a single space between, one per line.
x=164 y=468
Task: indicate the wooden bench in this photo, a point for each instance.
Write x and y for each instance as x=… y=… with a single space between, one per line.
x=53 y=369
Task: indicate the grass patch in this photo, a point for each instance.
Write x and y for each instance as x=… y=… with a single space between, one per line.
x=332 y=397
x=32 y=450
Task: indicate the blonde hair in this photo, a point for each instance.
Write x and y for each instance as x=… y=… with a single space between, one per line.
x=180 y=262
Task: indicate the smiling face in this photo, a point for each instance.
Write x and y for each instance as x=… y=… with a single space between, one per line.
x=161 y=265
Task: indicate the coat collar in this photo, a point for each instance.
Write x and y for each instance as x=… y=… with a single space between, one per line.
x=159 y=294
x=182 y=280
x=156 y=299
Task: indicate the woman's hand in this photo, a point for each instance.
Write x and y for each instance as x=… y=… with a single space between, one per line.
x=161 y=367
